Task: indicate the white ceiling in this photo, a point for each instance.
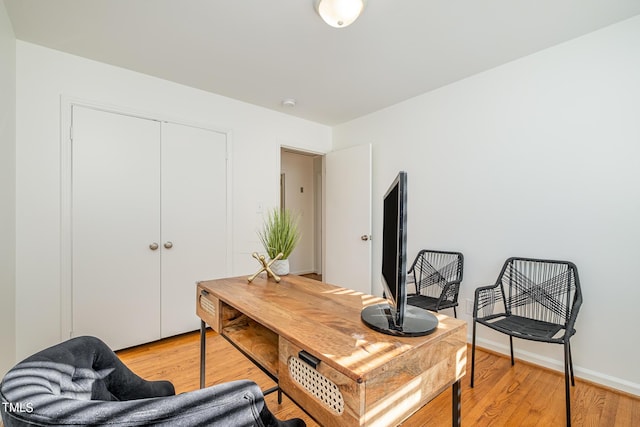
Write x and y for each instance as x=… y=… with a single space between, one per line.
x=262 y=51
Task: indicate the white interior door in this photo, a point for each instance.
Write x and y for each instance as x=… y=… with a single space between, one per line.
x=194 y=219
x=348 y=218
x=115 y=220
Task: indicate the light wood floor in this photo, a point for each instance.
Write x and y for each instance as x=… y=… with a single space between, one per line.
x=523 y=395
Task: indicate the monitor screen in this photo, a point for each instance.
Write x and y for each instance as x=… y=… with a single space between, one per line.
x=395 y=316
x=394 y=247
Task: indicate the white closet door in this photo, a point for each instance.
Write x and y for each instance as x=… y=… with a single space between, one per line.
x=194 y=218
x=115 y=219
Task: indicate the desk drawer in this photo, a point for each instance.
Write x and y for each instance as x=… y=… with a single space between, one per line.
x=208 y=308
x=330 y=397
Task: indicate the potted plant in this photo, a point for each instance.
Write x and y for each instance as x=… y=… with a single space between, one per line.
x=280 y=234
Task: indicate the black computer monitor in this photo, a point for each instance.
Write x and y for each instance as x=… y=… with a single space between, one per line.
x=395 y=317
x=394 y=247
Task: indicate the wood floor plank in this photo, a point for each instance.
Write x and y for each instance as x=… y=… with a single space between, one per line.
x=593 y=402
x=522 y=395
x=627 y=413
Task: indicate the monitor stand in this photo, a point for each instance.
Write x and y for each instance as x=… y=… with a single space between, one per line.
x=417 y=321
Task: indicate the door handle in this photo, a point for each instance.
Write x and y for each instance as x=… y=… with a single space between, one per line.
x=365 y=237
x=153 y=246
x=168 y=245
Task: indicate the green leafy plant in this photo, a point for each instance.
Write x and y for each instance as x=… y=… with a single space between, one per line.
x=279 y=233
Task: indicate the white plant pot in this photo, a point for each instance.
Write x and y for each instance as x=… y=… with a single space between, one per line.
x=280 y=267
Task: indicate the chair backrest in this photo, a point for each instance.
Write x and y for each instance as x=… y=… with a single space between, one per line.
x=433 y=270
x=544 y=290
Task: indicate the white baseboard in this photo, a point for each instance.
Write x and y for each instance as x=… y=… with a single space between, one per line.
x=558 y=365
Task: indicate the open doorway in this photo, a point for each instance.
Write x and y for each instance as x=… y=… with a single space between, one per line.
x=301 y=191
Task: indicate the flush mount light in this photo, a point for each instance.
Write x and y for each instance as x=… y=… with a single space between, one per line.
x=339 y=13
x=289 y=102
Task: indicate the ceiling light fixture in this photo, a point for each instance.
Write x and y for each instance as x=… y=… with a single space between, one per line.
x=289 y=102
x=340 y=13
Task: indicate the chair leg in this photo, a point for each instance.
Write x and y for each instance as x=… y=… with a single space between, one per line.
x=573 y=381
x=567 y=357
x=511 y=345
x=473 y=352
x=455 y=313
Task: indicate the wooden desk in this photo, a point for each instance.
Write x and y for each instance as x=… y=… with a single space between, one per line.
x=362 y=377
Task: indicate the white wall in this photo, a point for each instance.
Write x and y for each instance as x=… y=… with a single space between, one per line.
x=43 y=76
x=7 y=191
x=540 y=158
x=298 y=170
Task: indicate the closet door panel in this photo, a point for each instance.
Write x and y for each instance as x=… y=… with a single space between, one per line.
x=194 y=218
x=115 y=219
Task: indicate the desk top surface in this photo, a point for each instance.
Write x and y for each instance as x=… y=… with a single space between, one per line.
x=325 y=321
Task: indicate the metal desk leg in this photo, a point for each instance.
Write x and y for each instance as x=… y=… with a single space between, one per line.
x=203 y=351
x=456 y=391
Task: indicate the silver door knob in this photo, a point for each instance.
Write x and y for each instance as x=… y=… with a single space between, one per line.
x=168 y=245
x=364 y=237
x=153 y=246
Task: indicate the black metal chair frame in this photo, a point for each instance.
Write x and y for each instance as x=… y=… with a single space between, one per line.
x=437 y=276
x=540 y=302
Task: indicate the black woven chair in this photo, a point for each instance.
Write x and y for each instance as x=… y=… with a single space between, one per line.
x=437 y=276
x=532 y=299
